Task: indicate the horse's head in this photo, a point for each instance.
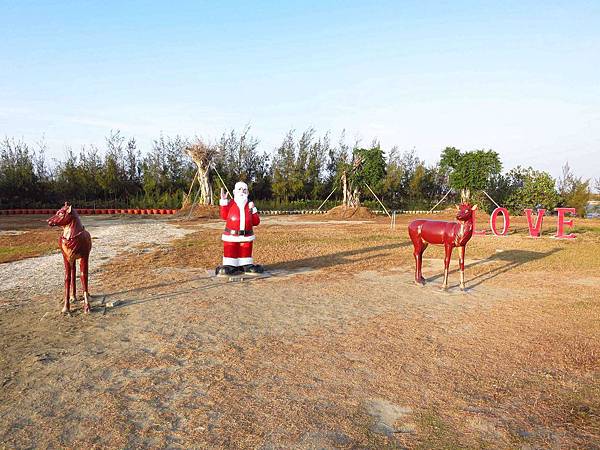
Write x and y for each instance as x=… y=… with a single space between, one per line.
x=465 y=211
x=63 y=217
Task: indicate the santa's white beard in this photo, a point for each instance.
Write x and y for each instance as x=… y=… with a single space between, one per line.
x=240 y=199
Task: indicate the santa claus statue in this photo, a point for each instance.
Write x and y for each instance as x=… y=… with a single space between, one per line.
x=238 y=236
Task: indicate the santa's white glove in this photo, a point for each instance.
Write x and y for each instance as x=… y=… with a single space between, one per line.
x=223 y=201
x=252 y=208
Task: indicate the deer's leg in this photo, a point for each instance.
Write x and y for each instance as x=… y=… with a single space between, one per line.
x=73 y=297
x=461 y=262
x=423 y=247
x=418 y=248
x=447 y=256
x=83 y=272
x=66 y=305
x=418 y=254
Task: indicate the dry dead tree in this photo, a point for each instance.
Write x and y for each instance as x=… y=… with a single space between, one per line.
x=203 y=155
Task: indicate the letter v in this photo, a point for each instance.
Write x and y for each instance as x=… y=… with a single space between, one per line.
x=534 y=230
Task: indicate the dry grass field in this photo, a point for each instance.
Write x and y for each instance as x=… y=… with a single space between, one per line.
x=24 y=238
x=337 y=348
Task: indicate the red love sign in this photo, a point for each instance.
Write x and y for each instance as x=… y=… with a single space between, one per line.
x=535 y=226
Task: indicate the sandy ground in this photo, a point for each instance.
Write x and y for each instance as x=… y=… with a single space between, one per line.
x=320 y=354
x=30 y=277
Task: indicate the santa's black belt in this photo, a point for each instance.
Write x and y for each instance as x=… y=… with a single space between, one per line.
x=239 y=232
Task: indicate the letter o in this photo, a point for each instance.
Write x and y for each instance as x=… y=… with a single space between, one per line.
x=493 y=219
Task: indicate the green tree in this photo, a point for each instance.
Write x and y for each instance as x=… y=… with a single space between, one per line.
x=337 y=162
x=392 y=183
x=434 y=186
x=68 y=178
x=111 y=179
x=261 y=185
x=133 y=168
x=408 y=162
x=178 y=169
x=166 y=171
x=409 y=183
x=286 y=182
x=574 y=191
x=500 y=188
x=113 y=171
x=21 y=174
x=238 y=159
x=315 y=179
x=309 y=165
x=531 y=189
x=372 y=169
x=90 y=171
x=470 y=171
x=416 y=184
x=368 y=169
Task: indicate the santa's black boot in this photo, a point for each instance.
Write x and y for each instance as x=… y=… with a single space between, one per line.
x=253 y=268
x=226 y=270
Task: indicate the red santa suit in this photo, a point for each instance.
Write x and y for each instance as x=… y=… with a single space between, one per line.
x=240 y=216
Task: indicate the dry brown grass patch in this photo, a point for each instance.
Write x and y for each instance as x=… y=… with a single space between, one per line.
x=27 y=244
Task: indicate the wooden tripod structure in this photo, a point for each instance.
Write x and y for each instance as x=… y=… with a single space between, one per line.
x=351 y=197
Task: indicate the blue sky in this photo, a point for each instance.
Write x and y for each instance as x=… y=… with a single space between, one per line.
x=522 y=78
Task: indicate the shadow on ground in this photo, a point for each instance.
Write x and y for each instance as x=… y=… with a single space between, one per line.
x=338 y=259
x=317 y=262
x=512 y=258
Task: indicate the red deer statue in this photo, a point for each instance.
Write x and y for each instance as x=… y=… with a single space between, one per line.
x=75 y=243
x=449 y=234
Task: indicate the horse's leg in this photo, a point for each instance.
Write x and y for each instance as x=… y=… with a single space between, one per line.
x=66 y=305
x=83 y=273
x=447 y=256
x=461 y=261
x=73 y=283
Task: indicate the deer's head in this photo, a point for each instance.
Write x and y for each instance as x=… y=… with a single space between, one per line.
x=465 y=212
x=63 y=217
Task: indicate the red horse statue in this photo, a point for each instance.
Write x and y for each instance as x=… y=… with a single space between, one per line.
x=449 y=234
x=75 y=243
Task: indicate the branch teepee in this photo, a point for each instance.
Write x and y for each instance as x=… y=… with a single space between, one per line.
x=204 y=156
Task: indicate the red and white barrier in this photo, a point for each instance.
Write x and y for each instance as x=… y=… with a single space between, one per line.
x=87 y=211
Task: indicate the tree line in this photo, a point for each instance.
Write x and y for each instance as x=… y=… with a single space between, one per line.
x=299 y=174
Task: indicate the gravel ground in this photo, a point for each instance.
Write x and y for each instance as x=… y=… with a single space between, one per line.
x=33 y=276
